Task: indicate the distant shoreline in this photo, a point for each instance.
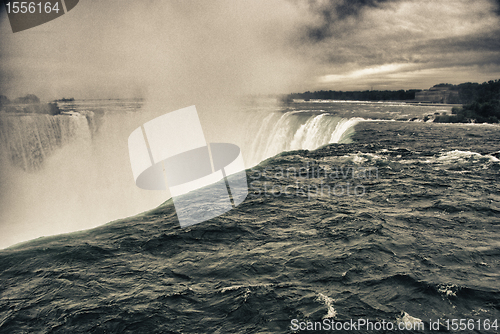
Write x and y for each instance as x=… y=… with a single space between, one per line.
x=383 y=101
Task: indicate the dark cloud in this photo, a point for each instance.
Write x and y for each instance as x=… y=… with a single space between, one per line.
x=353 y=7
x=3 y=12
x=486 y=43
x=369 y=33
x=497 y=3
x=229 y=47
x=443 y=52
x=333 y=11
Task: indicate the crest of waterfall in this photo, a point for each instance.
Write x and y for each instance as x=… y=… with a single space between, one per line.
x=298 y=130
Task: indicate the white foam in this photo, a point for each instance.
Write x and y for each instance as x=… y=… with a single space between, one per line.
x=356 y=158
x=449 y=290
x=231 y=288
x=460 y=156
x=237 y=287
x=408 y=320
x=328 y=303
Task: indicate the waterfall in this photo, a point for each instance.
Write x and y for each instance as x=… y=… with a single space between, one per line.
x=60 y=174
x=298 y=130
x=27 y=140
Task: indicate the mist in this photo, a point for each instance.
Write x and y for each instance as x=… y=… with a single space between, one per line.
x=187 y=51
x=172 y=55
x=180 y=53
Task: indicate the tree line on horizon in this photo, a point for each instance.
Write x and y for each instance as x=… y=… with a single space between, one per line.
x=480 y=102
x=367 y=95
x=468 y=92
x=482 y=105
x=29 y=104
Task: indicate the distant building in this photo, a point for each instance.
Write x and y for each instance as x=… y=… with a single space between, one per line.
x=437 y=95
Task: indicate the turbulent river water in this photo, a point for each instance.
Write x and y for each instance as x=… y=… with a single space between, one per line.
x=354 y=214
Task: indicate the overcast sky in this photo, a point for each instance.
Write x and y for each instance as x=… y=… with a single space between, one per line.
x=207 y=49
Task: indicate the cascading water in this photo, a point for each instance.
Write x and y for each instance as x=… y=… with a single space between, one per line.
x=70 y=172
x=59 y=174
x=28 y=140
x=298 y=130
x=309 y=135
